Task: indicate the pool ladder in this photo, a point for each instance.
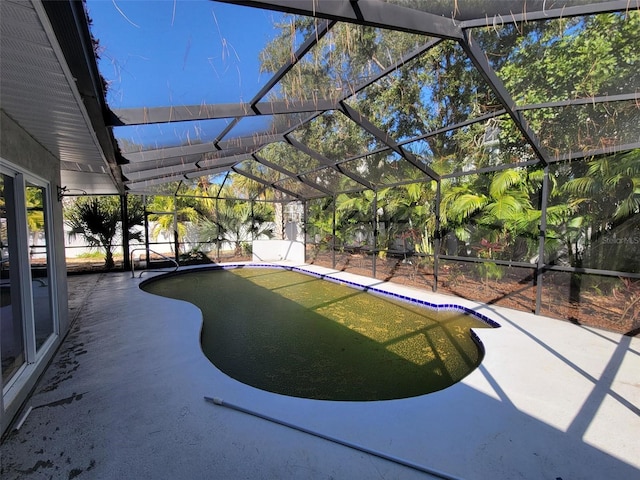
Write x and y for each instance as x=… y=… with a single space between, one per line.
x=133 y=274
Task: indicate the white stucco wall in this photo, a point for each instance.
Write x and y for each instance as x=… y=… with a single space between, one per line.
x=275 y=250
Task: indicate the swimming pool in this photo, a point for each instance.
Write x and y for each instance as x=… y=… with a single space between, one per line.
x=292 y=332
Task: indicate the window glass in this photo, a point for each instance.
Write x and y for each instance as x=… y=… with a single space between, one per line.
x=39 y=261
x=11 y=321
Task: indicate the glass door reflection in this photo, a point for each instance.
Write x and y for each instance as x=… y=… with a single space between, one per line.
x=12 y=338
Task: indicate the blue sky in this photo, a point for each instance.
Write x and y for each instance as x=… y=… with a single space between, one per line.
x=157 y=53
x=161 y=53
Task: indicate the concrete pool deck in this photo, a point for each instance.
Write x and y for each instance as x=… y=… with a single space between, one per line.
x=125 y=398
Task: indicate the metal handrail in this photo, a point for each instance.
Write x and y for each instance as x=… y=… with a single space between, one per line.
x=133 y=274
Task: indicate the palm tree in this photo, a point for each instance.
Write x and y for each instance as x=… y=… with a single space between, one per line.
x=97 y=219
x=495 y=212
x=604 y=201
x=236 y=223
x=169 y=213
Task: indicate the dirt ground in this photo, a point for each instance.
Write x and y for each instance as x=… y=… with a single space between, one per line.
x=609 y=303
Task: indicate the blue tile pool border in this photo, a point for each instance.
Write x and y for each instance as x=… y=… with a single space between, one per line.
x=332 y=278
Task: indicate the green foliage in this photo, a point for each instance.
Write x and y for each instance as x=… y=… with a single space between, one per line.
x=592 y=204
x=489 y=271
x=168 y=213
x=320 y=222
x=35 y=208
x=97 y=220
x=90 y=255
x=537 y=62
x=236 y=222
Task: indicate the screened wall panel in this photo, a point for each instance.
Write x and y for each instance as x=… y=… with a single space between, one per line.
x=411 y=268
x=355 y=217
x=609 y=302
x=319 y=231
x=510 y=287
x=593 y=213
x=492 y=216
x=405 y=222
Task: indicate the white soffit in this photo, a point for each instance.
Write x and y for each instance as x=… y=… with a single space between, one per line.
x=38 y=91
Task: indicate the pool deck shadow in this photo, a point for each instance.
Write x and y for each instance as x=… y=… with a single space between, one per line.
x=124 y=397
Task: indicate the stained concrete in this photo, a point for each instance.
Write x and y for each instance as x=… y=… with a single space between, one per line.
x=124 y=398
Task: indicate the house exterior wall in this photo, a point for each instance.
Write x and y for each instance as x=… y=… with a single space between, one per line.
x=22 y=151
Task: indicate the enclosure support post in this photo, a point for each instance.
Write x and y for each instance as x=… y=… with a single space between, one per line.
x=541 y=239
x=124 y=217
x=436 y=240
x=176 y=240
x=333 y=236
x=146 y=231
x=253 y=223
x=305 y=214
x=218 y=236
x=374 y=219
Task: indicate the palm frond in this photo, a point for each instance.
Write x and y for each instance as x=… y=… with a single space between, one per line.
x=466 y=205
x=504 y=208
x=581 y=186
x=628 y=207
x=503 y=181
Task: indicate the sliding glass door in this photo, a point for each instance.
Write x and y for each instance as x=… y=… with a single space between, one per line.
x=12 y=341
x=27 y=317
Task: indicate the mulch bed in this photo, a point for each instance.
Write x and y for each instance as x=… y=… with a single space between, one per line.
x=611 y=305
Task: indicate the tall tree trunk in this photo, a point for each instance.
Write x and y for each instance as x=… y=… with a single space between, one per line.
x=108 y=259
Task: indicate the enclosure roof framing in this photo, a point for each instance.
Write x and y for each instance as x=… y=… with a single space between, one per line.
x=253 y=142
x=386 y=139
x=290 y=174
x=324 y=160
x=479 y=58
x=344 y=98
x=150 y=115
x=179 y=113
x=519 y=11
x=371 y=13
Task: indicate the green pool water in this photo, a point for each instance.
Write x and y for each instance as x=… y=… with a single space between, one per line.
x=294 y=334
